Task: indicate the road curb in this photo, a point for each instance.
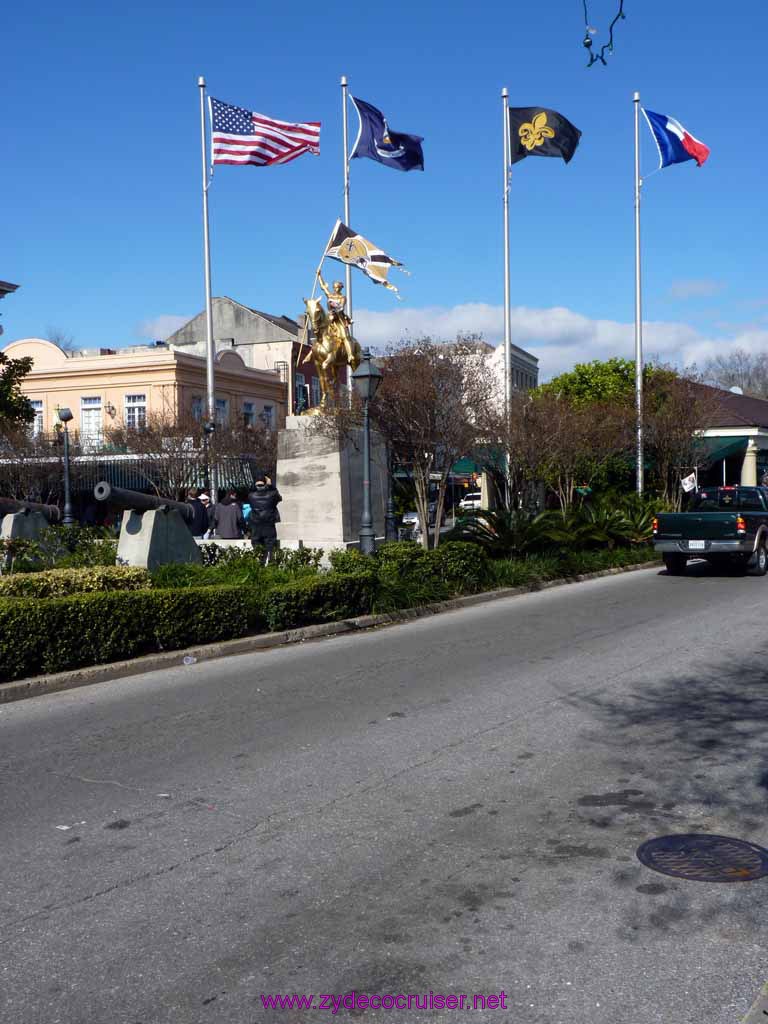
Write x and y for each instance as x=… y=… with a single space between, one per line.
x=35 y=686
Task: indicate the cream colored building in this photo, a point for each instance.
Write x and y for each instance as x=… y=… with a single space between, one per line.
x=106 y=387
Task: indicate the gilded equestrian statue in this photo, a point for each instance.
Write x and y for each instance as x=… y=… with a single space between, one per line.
x=333 y=345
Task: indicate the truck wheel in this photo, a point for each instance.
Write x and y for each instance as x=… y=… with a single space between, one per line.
x=675 y=564
x=758 y=563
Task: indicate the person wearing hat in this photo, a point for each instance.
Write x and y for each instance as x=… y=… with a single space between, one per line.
x=264 y=499
x=199 y=502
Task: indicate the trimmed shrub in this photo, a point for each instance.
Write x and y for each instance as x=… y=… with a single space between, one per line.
x=60 y=547
x=349 y=560
x=54 y=634
x=297 y=561
x=407 y=577
x=400 y=555
x=60 y=582
x=319 y=599
x=537 y=569
x=463 y=568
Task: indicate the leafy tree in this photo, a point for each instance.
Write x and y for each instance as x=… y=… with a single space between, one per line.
x=610 y=380
x=562 y=443
x=431 y=409
x=15 y=408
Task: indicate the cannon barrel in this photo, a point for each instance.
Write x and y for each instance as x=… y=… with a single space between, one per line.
x=137 y=501
x=11 y=505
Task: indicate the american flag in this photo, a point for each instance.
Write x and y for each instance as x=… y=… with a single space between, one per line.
x=242 y=137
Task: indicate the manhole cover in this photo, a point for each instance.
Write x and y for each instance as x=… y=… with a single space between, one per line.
x=704 y=858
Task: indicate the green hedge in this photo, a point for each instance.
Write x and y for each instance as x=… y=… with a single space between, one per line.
x=319 y=599
x=53 y=634
x=60 y=582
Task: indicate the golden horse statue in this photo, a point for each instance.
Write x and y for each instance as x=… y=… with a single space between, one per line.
x=333 y=346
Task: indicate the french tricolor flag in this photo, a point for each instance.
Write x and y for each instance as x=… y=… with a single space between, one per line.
x=674 y=143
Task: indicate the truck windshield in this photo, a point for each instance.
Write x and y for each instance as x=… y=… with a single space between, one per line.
x=721 y=499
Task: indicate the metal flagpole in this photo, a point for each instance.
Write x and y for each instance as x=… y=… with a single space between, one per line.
x=505 y=193
x=209 y=350
x=348 y=268
x=638 y=306
x=507 y=326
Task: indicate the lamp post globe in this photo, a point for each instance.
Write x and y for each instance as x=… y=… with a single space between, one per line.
x=68 y=516
x=365 y=380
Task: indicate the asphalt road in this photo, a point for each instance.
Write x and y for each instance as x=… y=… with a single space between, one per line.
x=451 y=805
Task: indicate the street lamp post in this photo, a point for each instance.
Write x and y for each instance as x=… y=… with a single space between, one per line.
x=68 y=518
x=390 y=519
x=366 y=380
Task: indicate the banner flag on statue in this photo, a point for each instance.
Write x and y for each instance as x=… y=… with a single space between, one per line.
x=349 y=247
x=537 y=131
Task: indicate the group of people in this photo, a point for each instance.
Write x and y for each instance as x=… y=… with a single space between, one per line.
x=228 y=519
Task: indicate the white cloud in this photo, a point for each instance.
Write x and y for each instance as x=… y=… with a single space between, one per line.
x=161 y=326
x=557 y=336
x=694 y=288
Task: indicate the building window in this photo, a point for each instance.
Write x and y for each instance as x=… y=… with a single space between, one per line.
x=302 y=393
x=316 y=393
x=135 y=411
x=249 y=414
x=267 y=417
x=90 y=420
x=197 y=408
x=222 y=412
x=281 y=369
x=37 y=423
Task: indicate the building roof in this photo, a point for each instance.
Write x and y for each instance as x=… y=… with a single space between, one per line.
x=6 y=288
x=738 y=410
x=285 y=322
x=282 y=323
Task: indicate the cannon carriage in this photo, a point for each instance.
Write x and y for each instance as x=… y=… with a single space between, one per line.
x=154 y=530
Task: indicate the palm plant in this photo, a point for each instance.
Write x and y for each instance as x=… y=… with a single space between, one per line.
x=503 y=534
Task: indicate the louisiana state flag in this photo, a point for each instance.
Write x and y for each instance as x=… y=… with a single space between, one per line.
x=674 y=143
x=378 y=142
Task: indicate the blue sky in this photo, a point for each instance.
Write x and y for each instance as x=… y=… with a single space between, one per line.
x=101 y=172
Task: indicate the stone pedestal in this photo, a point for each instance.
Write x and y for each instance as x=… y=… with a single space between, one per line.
x=321 y=482
x=28 y=525
x=157 y=537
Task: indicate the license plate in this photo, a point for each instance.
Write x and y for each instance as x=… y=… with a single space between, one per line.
x=696 y=545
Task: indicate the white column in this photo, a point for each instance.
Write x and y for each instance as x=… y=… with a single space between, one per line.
x=749 y=466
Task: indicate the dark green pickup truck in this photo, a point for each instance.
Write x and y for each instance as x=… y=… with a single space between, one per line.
x=723 y=525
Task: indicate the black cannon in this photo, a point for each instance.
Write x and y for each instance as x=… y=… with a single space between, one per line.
x=138 y=502
x=10 y=505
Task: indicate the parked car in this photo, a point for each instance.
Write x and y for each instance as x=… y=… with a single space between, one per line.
x=471 y=502
x=721 y=525
x=411 y=522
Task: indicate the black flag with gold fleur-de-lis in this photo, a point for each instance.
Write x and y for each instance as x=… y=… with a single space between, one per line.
x=536 y=131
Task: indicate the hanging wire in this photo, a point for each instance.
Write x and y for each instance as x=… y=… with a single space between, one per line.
x=590 y=30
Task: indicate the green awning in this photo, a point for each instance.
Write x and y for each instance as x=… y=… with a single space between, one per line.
x=465 y=467
x=713 y=449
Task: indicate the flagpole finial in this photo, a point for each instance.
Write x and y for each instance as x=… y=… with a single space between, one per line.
x=343 y=79
x=201 y=82
x=505 y=91
x=636 y=97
